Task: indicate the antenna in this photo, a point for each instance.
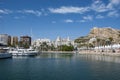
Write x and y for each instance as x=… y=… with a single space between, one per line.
x=31 y=34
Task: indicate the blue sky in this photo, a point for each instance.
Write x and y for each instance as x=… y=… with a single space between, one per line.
x=52 y=18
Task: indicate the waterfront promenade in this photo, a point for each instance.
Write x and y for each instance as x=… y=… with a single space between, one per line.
x=107 y=53
x=87 y=52
x=57 y=51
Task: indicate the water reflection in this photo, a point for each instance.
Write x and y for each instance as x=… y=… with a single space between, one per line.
x=23 y=57
x=101 y=58
x=70 y=56
x=55 y=55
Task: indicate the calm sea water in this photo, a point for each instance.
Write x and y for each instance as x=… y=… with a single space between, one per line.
x=60 y=67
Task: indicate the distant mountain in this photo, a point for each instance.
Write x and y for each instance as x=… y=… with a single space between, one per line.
x=102 y=34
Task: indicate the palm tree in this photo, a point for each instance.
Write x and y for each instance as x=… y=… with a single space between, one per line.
x=98 y=42
x=111 y=40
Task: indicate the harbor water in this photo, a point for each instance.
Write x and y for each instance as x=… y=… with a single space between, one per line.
x=60 y=66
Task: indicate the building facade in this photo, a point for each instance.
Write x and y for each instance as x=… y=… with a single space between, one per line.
x=38 y=42
x=58 y=42
x=63 y=41
x=25 y=41
x=14 y=40
x=3 y=39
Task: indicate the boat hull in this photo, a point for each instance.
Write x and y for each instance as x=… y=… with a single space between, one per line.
x=5 y=55
x=24 y=54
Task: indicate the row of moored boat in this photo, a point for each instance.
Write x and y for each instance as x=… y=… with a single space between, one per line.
x=8 y=53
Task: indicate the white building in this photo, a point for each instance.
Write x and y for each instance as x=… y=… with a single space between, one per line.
x=114 y=46
x=3 y=39
x=59 y=41
x=65 y=41
x=38 y=42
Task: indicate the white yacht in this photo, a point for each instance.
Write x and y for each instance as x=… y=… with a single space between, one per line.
x=4 y=54
x=23 y=52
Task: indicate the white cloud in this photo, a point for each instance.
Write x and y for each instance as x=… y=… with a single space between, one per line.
x=53 y=21
x=64 y=10
x=117 y=2
x=99 y=6
x=81 y=21
x=88 y=17
x=96 y=6
x=35 y=12
x=44 y=12
x=113 y=14
x=16 y=17
x=113 y=3
x=68 y=21
x=5 y=11
x=99 y=16
x=19 y=17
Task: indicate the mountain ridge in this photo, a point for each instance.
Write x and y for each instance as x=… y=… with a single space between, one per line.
x=101 y=33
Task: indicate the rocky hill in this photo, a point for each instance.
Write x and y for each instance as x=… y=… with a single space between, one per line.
x=101 y=33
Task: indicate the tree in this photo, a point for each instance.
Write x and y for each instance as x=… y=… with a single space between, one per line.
x=111 y=39
x=90 y=45
x=103 y=42
x=26 y=45
x=44 y=46
x=65 y=48
x=52 y=47
x=98 y=41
